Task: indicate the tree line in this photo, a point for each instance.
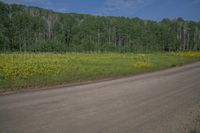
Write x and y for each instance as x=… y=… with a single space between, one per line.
x=39 y=30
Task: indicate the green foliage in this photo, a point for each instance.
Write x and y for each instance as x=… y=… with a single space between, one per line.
x=33 y=29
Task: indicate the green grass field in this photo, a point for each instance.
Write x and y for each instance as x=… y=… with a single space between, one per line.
x=20 y=70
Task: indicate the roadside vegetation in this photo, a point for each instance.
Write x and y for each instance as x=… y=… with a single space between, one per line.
x=18 y=70
x=41 y=47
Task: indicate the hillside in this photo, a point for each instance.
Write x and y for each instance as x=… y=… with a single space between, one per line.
x=34 y=29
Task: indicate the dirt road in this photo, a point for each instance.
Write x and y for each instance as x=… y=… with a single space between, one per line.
x=161 y=102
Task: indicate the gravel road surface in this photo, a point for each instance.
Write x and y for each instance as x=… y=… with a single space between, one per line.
x=160 y=102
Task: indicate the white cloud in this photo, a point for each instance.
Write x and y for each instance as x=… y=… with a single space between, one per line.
x=61 y=10
x=23 y=1
x=196 y=2
x=122 y=7
x=47 y=4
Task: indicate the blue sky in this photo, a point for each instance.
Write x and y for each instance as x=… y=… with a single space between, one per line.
x=145 y=9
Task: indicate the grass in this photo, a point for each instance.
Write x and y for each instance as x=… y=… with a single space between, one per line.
x=21 y=70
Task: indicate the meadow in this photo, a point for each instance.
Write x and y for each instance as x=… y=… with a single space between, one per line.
x=24 y=70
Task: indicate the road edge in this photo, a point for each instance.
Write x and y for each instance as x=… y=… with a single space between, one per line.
x=89 y=81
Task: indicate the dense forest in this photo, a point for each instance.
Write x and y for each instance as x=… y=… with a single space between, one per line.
x=34 y=29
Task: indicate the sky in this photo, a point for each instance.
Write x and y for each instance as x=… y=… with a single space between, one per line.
x=145 y=9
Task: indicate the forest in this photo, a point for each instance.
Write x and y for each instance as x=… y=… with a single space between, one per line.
x=34 y=29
